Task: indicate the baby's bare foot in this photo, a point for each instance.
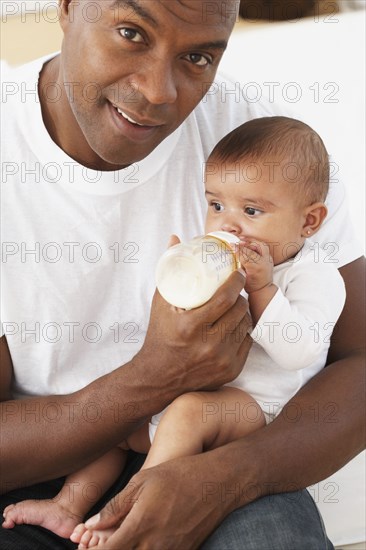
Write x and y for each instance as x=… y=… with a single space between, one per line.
x=88 y=538
x=45 y=513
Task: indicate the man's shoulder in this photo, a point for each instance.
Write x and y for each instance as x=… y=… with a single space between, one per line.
x=226 y=105
x=19 y=83
x=226 y=95
x=21 y=118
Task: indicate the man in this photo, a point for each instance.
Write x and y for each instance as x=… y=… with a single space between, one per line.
x=119 y=145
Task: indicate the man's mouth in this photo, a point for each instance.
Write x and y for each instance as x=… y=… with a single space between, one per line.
x=127 y=117
x=144 y=123
x=132 y=126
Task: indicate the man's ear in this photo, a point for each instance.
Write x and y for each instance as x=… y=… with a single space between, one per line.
x=314 y=217
x=65 y=12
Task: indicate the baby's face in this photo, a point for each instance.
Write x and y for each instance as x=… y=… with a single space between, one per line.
x=252 y=200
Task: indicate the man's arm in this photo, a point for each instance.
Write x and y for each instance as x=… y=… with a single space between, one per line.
x=47 y=437
x=318 y=431
x=6 y=370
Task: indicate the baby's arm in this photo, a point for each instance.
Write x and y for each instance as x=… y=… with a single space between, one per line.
x=295 y=326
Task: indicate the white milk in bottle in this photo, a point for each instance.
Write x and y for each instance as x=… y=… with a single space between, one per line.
x=188 y=274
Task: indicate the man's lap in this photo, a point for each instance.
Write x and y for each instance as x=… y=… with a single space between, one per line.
x=289 y=521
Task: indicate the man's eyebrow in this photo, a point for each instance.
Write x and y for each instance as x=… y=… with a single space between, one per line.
x=144 y=14
x=136 y=8
x=212 y=45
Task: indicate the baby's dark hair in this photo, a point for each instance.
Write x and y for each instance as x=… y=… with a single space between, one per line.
x=283 y=139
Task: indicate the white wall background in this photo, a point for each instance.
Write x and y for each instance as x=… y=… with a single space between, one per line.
x=315 y=67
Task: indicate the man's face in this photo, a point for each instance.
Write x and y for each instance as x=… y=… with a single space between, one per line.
x=137 y=68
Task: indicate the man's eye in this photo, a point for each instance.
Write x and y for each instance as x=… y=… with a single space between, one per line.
x=217 y=206
x=199 y=59
x=131 y=34
x=251 y=211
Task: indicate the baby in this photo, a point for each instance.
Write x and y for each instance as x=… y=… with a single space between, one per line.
x=266 y=183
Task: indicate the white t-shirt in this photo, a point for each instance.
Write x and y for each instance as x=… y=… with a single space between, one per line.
x=80 y=246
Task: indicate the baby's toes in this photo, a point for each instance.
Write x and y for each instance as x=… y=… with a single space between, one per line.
x=94 y=540
x=8 y=523
x=78 y=532
x=9 y=516
x=8 y=509
x=85 y=539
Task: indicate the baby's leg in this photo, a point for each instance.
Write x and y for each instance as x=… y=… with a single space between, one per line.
x=193 y=423
x=80 y=492
x=199 y=421
x=139 y=442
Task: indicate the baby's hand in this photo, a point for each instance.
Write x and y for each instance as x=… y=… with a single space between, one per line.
x=257 y=262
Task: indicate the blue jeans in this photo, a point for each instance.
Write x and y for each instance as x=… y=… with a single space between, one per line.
x=288 y=521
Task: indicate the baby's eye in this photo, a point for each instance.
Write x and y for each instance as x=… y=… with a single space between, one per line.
x=131 y=34
x=217 y=206
x=252 y=211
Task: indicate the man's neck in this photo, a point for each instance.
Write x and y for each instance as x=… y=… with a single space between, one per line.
x=60 y=122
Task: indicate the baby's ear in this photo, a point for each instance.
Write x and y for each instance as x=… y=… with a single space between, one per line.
x=314 y=217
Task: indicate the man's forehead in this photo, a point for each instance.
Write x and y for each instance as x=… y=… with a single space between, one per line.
x=207 y=12
x=209 y=9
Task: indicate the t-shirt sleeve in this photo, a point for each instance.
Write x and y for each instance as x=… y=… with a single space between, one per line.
x=337 y=236
x=296 y=326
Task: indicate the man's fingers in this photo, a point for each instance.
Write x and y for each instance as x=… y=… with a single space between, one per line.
x=234 y=328
x=223 y=299
x=126 y=537
x=237 y=319
x=246 y=343
x=116 y=509
x=173 y=239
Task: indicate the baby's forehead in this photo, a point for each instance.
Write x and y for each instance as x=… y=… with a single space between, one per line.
x=258 y=180
x=241 y=170
x=265 y=159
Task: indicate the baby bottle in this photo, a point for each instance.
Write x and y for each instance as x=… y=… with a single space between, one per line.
x=188 y=274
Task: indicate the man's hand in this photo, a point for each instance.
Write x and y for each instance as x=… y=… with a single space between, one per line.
x=166 y=507
x=204 y=347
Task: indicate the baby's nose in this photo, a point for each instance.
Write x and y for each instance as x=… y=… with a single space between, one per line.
x=231 y=227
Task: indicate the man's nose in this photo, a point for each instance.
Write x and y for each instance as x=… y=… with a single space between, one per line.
x=156 y=82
